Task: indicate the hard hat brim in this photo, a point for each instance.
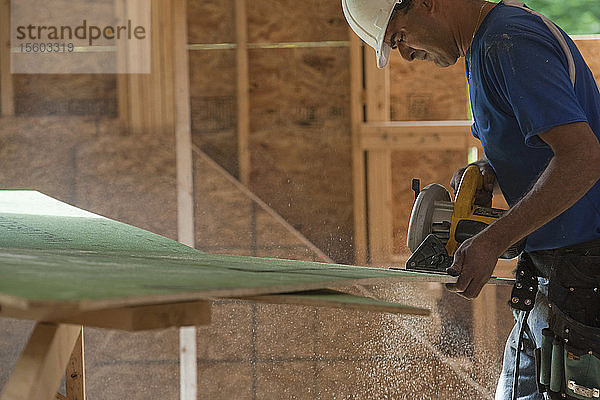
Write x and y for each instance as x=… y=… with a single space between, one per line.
x=383 y=55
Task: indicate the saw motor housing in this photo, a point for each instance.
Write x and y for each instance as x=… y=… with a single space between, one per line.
x=438 y=226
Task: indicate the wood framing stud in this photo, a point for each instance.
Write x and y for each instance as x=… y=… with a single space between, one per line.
x=75 y=374
x=183 y=127
x=379 y=174
x=243 y=87
x=358 y=155
x=40 y=368
x=6 y=82
x=379 y=166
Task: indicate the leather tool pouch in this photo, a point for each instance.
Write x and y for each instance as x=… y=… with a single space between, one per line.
x=569 y=362
x=569 y=359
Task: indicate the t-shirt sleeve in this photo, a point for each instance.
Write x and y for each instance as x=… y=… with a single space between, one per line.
x=529 y=74
x=474 y=131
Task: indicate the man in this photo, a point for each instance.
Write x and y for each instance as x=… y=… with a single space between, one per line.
x=536 y=110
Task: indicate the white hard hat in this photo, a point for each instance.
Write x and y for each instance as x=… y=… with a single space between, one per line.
x=369 y=20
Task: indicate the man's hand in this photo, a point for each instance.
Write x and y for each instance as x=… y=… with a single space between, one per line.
x=483 y=197
x=474 y=262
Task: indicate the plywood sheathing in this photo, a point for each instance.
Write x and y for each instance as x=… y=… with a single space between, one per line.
x=230 y=219
x=130 y=179
x=211 y=22
x=214 y=105
x=65 y=95
x=213 y=81
x=299 y=111
x=41 y=153
x=300 y=142
x=272 y=21
x=423 y=91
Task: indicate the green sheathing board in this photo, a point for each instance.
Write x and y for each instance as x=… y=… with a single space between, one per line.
x=52 y=252
x=332 y=298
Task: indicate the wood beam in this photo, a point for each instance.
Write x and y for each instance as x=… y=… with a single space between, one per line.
x=358 y=155
x=75 y=374
x=379 y=163
x=433 y=135
x=39 y=370
x=185 y=188
x=183 y=129
x=379 y=192
x=243 y=91
x=6 y=81
x=141 y=318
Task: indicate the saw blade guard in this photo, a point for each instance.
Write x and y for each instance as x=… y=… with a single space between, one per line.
x=431 y=213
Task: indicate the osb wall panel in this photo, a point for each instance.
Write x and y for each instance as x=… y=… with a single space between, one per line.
x=213 y=81
x=229 y=221
x=66 y=95
x=273 y=21
x=429 y=167
x=214 y=105
x=211 y=21
x=40 y=153
x=300 y=142
x=131 y=179
x=83 y=162
x=420 y=90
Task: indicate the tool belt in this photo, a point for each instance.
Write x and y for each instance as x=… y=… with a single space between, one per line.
x=569 y=358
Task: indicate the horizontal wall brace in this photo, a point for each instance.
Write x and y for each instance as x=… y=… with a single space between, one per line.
x=415 y=135
x=282 y=45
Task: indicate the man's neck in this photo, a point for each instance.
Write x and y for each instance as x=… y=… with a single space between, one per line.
x=474 y=13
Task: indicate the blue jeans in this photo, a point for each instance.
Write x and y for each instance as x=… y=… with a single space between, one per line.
x=569 y=267
x=532 y=339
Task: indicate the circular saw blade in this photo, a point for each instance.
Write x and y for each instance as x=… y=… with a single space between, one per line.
x=421 y=218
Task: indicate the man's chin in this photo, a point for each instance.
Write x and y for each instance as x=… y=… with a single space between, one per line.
x=443 y=63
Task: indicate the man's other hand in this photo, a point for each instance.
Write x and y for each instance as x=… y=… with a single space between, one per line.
x=483 y=197
x=474 y=263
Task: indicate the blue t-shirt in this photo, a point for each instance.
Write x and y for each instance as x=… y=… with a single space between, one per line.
x=520 y=87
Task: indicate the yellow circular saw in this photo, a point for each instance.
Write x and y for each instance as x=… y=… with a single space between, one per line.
x=437 y=225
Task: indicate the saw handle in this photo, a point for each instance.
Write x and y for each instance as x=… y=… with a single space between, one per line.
x=470 y=183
